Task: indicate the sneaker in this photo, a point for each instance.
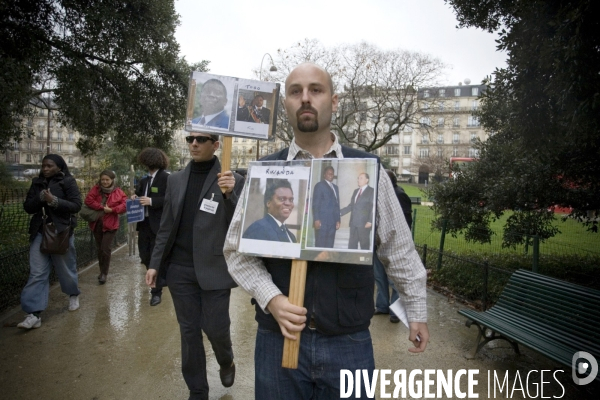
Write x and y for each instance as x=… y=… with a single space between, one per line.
x=73 y=303
x=31 y=321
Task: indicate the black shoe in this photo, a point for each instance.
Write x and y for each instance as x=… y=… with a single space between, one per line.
x=155 y=300
x=102 y=279
x=227 y=375
x=394 y=319
x=377 y=312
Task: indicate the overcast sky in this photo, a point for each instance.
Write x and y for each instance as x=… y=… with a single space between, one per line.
x=234 y=35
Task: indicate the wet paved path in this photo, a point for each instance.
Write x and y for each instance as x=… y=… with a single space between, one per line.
x=118 y=347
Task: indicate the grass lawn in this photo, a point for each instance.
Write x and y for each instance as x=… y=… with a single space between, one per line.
x=573 y=239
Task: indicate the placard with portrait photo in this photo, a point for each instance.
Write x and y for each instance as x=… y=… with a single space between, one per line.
x=232 y=106
x=274 y=208
x=316 y=210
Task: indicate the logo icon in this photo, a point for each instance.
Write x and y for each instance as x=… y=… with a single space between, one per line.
x=584 y=363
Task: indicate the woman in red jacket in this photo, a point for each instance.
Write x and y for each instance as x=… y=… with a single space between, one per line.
x=109 y=198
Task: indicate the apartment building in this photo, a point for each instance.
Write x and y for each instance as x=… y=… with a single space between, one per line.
x=49 y=136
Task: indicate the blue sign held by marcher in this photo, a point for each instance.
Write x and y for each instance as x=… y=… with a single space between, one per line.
x=135 y=211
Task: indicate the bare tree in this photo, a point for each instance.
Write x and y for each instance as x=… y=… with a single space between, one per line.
x=378 y=89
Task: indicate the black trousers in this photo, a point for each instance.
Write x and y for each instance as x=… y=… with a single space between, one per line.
x=199 y=310
x=146 y=241
x=359 y=235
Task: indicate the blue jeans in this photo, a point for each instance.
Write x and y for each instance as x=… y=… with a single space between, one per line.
x=319 y=363
x=34 y=297
x=382 y=299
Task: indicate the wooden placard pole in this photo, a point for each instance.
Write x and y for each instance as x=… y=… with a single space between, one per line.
x=291 y=348
x=225 y=155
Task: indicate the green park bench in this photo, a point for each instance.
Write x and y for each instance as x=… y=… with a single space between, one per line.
x=415 y=200
x=553 y=317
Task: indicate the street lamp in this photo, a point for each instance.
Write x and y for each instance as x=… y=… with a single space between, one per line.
x=272 y=69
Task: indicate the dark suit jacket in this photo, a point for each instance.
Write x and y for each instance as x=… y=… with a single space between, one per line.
x=158 y=197
x=362 y=211
x=220 y=121
x=265 y=115
x=326 y=204
x=209 y=229
x=267 y=229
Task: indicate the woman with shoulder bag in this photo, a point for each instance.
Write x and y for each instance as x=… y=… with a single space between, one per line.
x=107 y=197
x=53 y=199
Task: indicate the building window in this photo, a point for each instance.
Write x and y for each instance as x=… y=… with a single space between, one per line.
x=473 y=152
x=28 y=157
x=440 y=138
x=40 y=158
x=70 y=160
x=457 y=92
x=440 y=123
x=440 y=152
x=243 y=140
x=28 y=145
x=442 y=105
x=423 y=152
x=473 y=137
x=235 y=139
x=71 y=137
x=425 y=121
x=474 y=105
x=408 y=128
x=57 y=146
x=457 y=106
x=455 y=152
x=406 y=150
x=407 y=139
x=391 y=150
x=425 y=93
x=442 y=92
x=473 y=121
x=456 y=122
x=42 y=146
x=474 y=91
x=426 y=106
x=59 y=135
x=425 y=138
x=455 y=138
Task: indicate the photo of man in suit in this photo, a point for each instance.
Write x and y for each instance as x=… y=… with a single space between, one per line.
x=196 y=216
x=326 y=209
x=243 y=114
x=213 y=98
x=361 y=217
x=279 y=203
x=151 y=193
x=259 y=114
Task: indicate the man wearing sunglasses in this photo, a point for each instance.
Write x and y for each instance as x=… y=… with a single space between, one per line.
x=279 y=203
x=199 y=204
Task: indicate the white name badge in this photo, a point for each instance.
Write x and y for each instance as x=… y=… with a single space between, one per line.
x=209 y=206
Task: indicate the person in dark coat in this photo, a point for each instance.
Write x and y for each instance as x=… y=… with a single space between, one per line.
x=151 y=193
x=53 y=193
x=188 y=253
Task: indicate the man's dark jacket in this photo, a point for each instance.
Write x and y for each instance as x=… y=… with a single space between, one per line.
x=339 y=297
